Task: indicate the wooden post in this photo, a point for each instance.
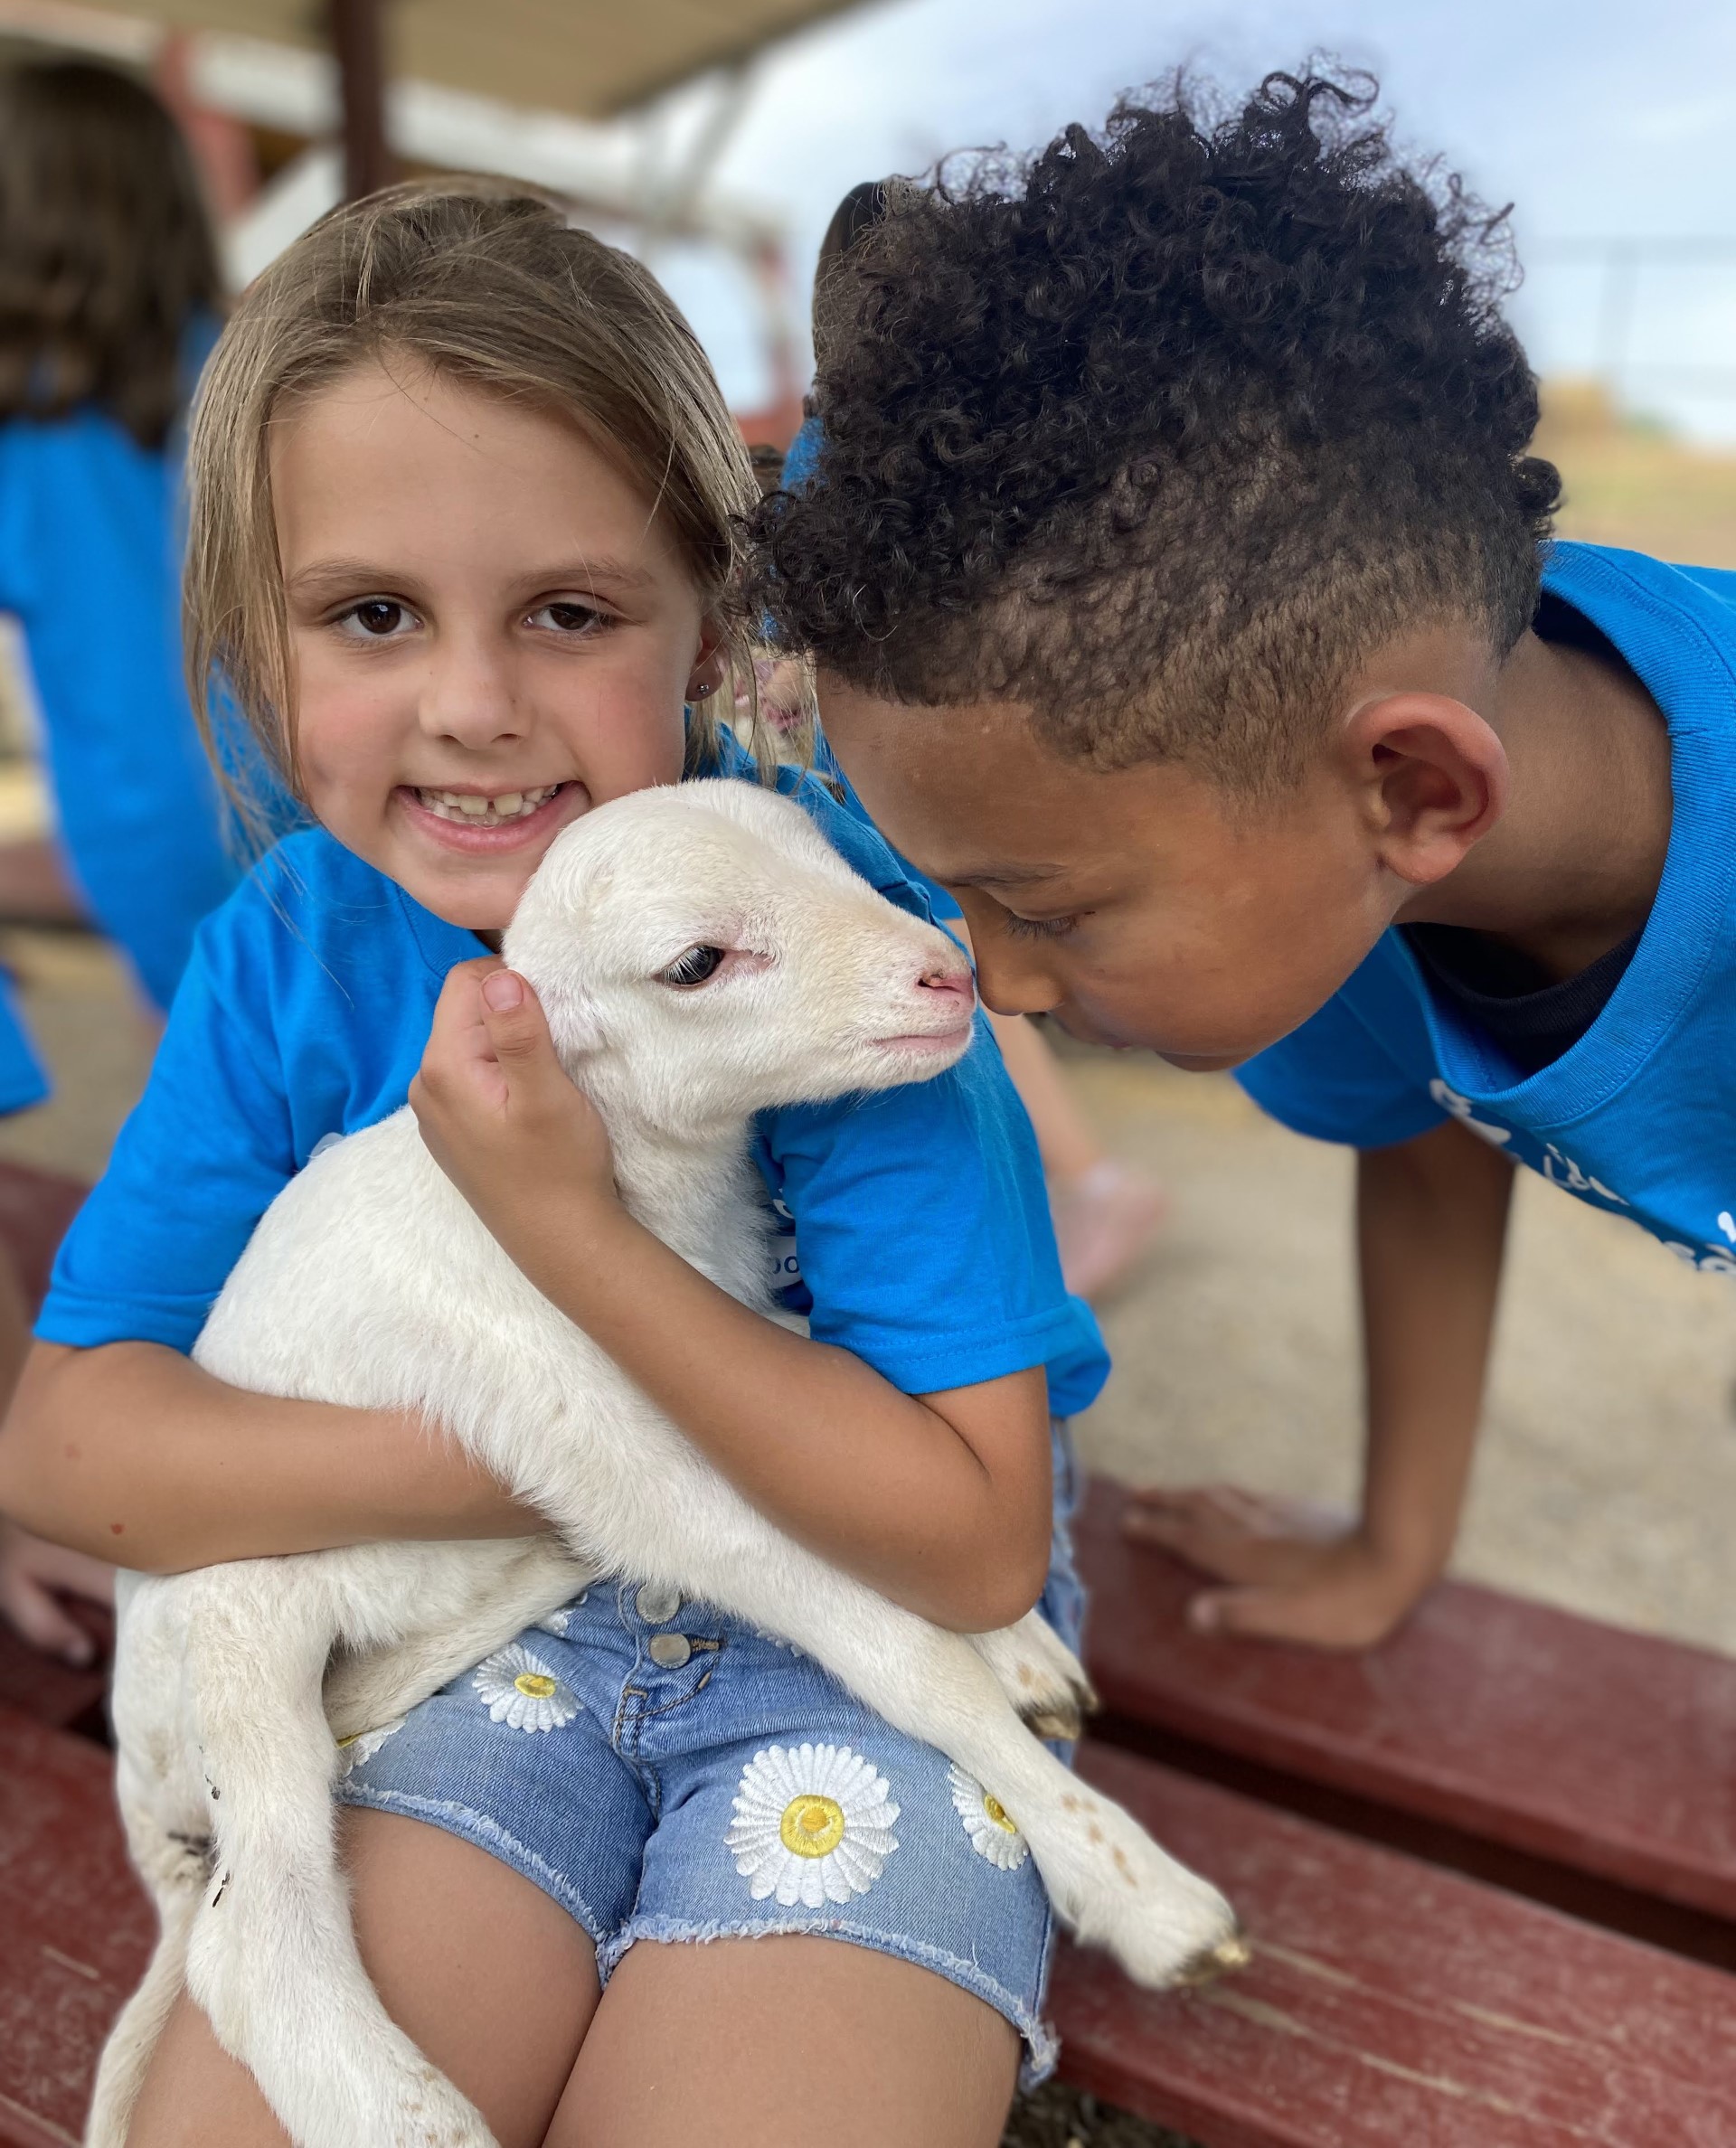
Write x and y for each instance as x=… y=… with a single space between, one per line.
x=359 y=46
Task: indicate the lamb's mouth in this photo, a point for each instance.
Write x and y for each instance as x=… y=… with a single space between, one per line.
x=475 y=809
x=925 y=1041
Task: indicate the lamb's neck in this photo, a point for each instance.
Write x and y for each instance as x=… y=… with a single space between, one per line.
x=690 y=1189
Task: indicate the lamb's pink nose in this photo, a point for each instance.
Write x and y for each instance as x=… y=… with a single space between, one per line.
x=957 y=984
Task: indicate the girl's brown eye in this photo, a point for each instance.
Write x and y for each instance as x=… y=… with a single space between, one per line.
x=695 y=968
x=570 y=617
x=379 y=616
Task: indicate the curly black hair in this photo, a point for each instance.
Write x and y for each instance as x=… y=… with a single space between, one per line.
x=1161 y=431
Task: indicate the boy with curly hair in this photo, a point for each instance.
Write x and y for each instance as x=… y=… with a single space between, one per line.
x=1181 y=588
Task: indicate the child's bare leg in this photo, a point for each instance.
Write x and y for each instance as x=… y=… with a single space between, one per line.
x=776 y=2042
x=1106 y=1213
x=494 y=1981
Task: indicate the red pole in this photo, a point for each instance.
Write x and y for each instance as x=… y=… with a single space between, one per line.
x=358 y=47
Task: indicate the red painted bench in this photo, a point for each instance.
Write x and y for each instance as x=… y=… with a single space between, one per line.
x=1358 y=1810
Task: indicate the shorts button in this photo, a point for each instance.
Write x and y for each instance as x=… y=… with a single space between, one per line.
x=669 y=1652
x=657 y=1605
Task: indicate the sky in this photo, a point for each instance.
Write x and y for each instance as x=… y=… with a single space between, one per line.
x=1596 y=119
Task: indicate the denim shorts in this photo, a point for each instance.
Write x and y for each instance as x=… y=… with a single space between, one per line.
x=668 y=1773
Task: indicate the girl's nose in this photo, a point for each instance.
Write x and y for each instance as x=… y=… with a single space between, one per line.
x=468 y=698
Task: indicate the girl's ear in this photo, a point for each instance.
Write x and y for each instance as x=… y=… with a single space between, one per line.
x=710 y=666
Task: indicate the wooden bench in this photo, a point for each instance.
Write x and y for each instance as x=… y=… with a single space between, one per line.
x=1404 y=1834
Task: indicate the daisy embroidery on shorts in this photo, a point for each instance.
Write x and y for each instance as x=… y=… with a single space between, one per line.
x=987 y=1822
x=812 y=1825
x=362 y=1744
x=520 y=1689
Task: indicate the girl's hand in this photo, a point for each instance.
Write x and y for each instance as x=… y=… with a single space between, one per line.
x=525 y=1148
x=34 y=1574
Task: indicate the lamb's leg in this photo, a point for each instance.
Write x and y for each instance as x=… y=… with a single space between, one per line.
x=272 y=1958
x=166 y=1834
x=1039 y=1674
x=1107 y=1879
x=364 y=1691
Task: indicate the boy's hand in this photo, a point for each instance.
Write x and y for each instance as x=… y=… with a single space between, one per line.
x=525 y=1148
x=33 y=1574
x=1298 y=1574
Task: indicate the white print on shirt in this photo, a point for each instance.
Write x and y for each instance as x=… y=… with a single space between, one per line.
x=1562 y=1170
x=1716 y=1259
x=1460 y=1107
x=786 y=1262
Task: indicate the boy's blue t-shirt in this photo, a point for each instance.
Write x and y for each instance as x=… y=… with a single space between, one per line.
x=922 y=1239
x=1638 y=1117
x=90 y=545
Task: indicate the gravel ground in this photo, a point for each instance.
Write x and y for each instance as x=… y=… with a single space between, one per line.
x=1608 y=1469
x=1057 y=2116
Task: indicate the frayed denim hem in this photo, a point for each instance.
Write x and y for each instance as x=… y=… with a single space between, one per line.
x=1041 y=2048
x=483 y=1833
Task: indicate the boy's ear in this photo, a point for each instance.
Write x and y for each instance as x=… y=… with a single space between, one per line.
x=1433 y=776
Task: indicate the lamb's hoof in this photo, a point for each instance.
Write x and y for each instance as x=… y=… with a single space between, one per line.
x=1056 y=1722
x=1222 y=1960
x=1040 y=1674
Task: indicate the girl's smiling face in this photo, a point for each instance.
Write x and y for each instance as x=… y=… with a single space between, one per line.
x=489 y=631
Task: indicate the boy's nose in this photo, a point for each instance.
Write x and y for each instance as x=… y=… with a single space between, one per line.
x=1008 y=985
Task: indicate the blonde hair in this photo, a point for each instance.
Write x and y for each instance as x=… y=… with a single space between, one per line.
x=485 y=284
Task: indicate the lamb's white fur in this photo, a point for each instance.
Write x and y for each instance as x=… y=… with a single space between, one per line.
x=371 y=1282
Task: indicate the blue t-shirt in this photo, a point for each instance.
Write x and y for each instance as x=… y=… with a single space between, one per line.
x=1639 y=1116
x=91 y=564
x=922 y=1239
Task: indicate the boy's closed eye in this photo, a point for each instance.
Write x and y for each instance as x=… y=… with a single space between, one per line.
x=1018 y=928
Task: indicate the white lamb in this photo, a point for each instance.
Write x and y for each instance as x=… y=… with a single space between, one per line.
x=371 y=1282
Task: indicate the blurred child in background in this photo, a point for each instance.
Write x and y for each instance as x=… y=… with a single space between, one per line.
x=110 y=295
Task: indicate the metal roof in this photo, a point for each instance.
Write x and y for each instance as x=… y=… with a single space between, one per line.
x=576 y=56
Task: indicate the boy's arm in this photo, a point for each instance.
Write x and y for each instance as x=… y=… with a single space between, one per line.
x=942 y=1502
x=1431 y=1227
x=132 y=1454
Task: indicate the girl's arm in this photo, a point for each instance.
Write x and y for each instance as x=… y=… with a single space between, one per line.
x=940 y=1500
x=133 y=1453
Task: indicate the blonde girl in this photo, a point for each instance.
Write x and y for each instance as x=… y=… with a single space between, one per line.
x=464 y=497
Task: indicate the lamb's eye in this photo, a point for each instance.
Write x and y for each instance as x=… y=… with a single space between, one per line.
x=695 y=967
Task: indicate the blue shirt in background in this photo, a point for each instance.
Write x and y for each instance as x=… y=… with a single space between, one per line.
x=922 y=1239
x=91 y=550
x=1639 y=1116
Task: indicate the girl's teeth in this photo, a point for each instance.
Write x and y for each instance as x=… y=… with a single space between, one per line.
x=489 y=813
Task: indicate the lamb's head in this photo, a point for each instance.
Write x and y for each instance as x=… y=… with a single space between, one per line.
x=702 y=953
